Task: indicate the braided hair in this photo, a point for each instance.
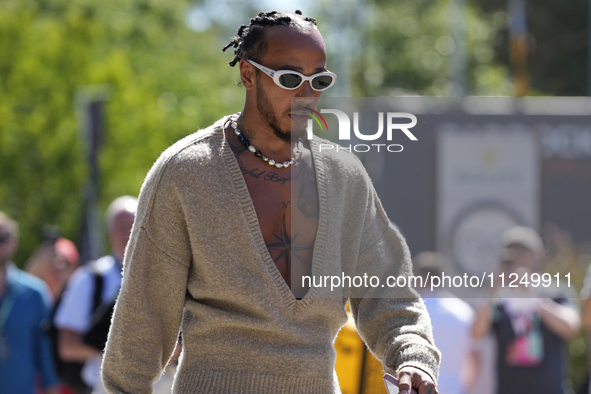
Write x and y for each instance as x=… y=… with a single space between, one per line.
x=249 y=42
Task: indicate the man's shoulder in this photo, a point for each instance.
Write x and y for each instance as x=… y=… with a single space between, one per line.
x=28 y=284
x=198 y=150
x=81 y=276
x=452 y=306
x=196 y=146
x=180 y=162
x=87 y=272
x=103 y=266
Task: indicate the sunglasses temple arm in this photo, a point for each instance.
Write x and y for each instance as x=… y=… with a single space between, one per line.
x=264 y=69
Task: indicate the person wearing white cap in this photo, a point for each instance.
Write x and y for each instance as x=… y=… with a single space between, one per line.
x=531 y=323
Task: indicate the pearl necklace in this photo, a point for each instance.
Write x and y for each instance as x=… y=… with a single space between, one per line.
x=297 y=150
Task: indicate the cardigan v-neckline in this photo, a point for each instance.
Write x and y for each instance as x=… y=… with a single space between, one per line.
x=247 y=205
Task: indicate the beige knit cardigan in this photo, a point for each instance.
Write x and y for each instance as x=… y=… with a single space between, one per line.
x=197 y=261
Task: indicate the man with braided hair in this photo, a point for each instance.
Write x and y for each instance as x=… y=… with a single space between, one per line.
x=227 y=215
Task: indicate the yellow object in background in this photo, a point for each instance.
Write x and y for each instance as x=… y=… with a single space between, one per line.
x=359 y=372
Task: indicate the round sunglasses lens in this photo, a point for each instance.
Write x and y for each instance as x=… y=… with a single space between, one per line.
x=290 y=81
x=322 y=82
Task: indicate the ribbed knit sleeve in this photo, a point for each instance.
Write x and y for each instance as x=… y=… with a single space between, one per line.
x=393 y=322
x=148 y=312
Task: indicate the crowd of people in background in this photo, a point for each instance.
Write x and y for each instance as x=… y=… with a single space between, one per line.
x=55 y=316
x=55 y=313
x=514 y=339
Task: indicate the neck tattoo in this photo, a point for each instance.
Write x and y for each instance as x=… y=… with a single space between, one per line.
x=297 y=150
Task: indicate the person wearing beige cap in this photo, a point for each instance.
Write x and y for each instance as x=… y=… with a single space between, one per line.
x=531 y=324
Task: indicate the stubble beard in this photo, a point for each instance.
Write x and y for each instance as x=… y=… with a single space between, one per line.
x=266 y=109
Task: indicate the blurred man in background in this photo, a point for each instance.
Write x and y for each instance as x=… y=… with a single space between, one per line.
x=531 y=323
x=84 y=315
x=25 y=307
x=452 y=320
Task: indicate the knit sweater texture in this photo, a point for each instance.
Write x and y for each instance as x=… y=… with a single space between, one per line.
x=197 y=261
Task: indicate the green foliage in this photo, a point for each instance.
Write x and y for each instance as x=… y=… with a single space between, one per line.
x=558 y=44
x=165 y=82
x=407 y=47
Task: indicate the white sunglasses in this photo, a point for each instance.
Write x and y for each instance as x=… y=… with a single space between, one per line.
x=291 y=80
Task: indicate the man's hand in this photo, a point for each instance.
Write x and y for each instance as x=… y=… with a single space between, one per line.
x=413 y=377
